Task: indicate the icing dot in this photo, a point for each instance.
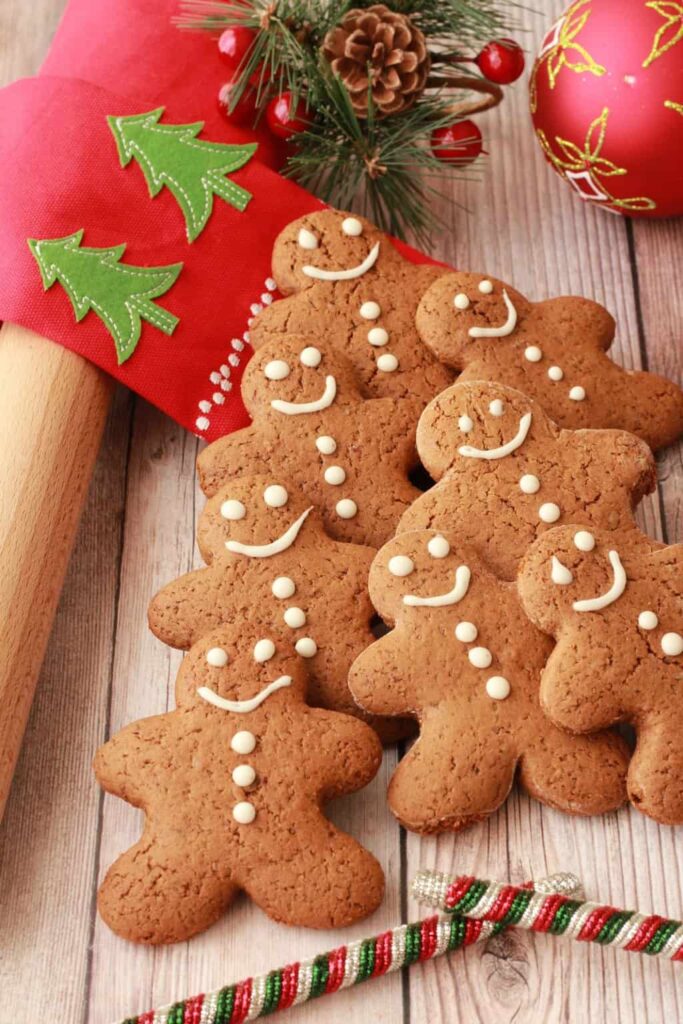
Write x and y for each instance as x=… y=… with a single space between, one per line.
x=275 y=496
x=648 y=620
x=307 y=239
x=264 y=650
x=311 y=356
x=485 y=287
x=529 y=484
x=243 y=775
x=465 y=424
x=233 y=509
x=243 y=742
x=335 y=475
x=461 y=301
x=283 y=587
x=498 y=687
x=577 y=393
x=549 y=512
x=533 y=354
x=306 y=647
x=370 y=310
x=401 y=565
x=584 y=541
x=560 y=574
x=295 y=618
x=480 y=657
x=496 y=408
x=326 y=445
x=217 y=657
x=672 y=644
x=377 y=336
x=387 y=362
x=555 y=373
x=276 y=369
x=466 y=632
x=438 y=547
x=352 y=226
x=346 y=508
x=244 y=812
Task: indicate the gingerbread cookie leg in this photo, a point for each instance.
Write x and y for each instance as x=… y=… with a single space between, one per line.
x=655 y=776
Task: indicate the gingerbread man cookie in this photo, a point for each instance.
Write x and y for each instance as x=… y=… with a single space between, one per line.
x=553 y=351
x=614 y=603
x=466 y=662
x=349 y=455
x=231 y=784
x=347 y=283
x=271 y=562
x=506 y=473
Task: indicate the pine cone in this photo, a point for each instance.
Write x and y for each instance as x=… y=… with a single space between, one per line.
x=381 y=50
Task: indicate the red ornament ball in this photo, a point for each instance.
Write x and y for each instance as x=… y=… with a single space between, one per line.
x=607 y=104
x=234 y=44
x=458 y=143
x=244 y=111
x=501 y=61
x=282 y=120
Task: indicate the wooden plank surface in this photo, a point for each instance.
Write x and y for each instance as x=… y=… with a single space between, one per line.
x=103 y=669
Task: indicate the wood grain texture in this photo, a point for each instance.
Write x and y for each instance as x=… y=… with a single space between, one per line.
x=103 y=669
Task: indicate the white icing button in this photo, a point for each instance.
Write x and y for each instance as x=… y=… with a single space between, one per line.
x=295 y=618
x=556 y=373
x=352 y=226
x=346 y=508
x=461 y=301
x=549 y=512
x=672 y=644
x=244 y=812
x=233 y=509
x=465 y=424
x=485 y=287
x=529 y=484
x=584 y=541
x=533 y=354
x=217 y=657
x=276 y=369
x=370 y=310
x=326 y=445
x=577 y=393
x=377 y=336
x=387 y=363
x=498 y=687
x=243 y=775
x=466 y=632
x=264 y=650
x=559 y=573
x=438 y=547
x=306 y=647
x=401 y=565
x=335 y=475
x=283 y=587
x=311 y=356
x=648 y=620
x=307 y=239
x=243 y=742
x=480 y=657
x=275 y=496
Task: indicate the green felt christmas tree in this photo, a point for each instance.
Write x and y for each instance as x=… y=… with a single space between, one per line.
x=192 y=169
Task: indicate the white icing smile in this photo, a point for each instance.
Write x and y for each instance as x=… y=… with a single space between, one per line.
x=505 y=449
x=460 y=588
x=243 y=707
x=594 y=604
x=497 y=332
x=299 y=408
x=275 y=547
x=344 y=275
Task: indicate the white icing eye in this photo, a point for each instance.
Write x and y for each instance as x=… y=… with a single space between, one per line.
x=370 y=310
x=326 y=445
x=352 y=227
x=335 y=475
x=346 y=508
x=529 y=484
x=555 y=372
x=466 y=632
x=480 y=657
x=401 y=565
x=496 y=408
x=533 y=354
x=485 y=287
x=283 y=587
x=497 y=687
x=217 y=657
x=577 y=393
x=461 y=301
x=233 y=510
x=275 y=496
x=243 y=742
x=377 y=336
x=438 y=547
x=549 y=512
x=311 y=357
x=276 y=369
x=243 y=775
x=387 y=363
x=306 y=647
x=584 y=541
x=672 y=644
x=465 y=423
x=244 y=812
x=560 y=574
x=648 y=620
x=264 y=650
x=307 y=239
x=295 y=618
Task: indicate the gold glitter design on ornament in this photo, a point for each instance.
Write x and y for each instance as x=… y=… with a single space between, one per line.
x=563 y=51
x=670 y=33
x=585 y=169
x=671 y=105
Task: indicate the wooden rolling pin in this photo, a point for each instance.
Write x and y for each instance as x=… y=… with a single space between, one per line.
x=53 y=406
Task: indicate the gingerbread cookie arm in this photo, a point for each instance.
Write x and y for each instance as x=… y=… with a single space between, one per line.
x=615 y=458
x=177 y=618
x=380 y=679
x=341 y=752
x=291 y=315
x=239 y=454
x=122 y=764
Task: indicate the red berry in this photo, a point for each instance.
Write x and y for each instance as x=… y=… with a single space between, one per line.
x=501 y=61
x=234 y=44
x=458 y=143
x=282 y=120
x=244 y=112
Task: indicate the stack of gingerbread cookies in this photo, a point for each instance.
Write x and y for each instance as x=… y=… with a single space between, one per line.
x=525 y=612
